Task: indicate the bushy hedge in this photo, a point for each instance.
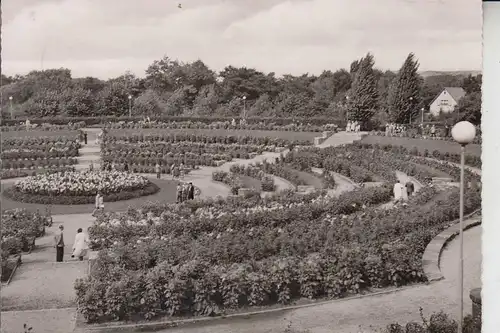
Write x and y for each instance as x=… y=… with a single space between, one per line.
x=13 y=194
x=102 y=120
x=20 y=228
x=15 y=173
x=205 y=262
x=471 y=160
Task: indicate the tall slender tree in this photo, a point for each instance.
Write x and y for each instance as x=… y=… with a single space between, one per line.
x=404 y=97
x=363 y=96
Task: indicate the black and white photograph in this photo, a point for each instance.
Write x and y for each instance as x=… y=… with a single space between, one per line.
x=245 y=166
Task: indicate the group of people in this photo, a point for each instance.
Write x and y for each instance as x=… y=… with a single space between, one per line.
x=185 y=192
x=392 y=129
x=243 y=122
x=80 y=245
x=353 y=126
x=403 y=192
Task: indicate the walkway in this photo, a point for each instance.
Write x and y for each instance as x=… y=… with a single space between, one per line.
x=42 y=291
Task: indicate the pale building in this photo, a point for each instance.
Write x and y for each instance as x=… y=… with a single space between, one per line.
x=446 y=101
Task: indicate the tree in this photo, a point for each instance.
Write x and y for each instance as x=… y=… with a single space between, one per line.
x=263 y=106
x=113 y=100
x=472 y=83
x=77 y=102
x=149 y=103
x=469 y=108
x=176 y=105
x=206 y=102
x=363 y=96
x=44 y=103
x=164 y=75
x=404 y=92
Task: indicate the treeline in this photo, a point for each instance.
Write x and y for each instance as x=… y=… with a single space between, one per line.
x=173 y=88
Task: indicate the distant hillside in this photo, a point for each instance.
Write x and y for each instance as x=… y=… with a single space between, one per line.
x=457 y=73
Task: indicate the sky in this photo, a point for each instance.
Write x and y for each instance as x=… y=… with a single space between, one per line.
x=106 y=38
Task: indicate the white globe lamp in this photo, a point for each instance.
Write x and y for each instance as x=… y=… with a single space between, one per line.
x=463 y=132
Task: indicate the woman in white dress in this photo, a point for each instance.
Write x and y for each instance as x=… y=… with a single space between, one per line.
x=81 y=245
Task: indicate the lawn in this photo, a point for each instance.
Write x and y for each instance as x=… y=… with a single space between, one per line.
x=421 y=145
x=221 y=132
x=165 y=195
x=35 y=133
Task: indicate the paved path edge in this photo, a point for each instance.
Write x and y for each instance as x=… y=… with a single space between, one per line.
x=82 y=327
x=432 y=254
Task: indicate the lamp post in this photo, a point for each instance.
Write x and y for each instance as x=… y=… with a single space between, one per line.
x=244 y=107
x=11 y=108
x=130 y=106
x=463 y=133
x=347 y=111
x=409 y=113
x=422 y=114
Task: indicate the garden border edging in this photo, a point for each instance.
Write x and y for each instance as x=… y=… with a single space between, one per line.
x=432 y=254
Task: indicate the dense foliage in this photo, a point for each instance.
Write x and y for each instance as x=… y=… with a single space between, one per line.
x=206 y=257
x=19 y=230
x=174 y=88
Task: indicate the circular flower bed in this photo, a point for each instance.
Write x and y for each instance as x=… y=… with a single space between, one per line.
x=73 y=188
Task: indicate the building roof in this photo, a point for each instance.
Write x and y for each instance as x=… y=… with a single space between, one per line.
x=456 y=92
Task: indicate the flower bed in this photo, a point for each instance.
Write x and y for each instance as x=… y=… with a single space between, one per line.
x=236 y=181
x=296 y=176
x=203 y=138
x=215 y=259
x=471 y=160
x=42 y=127
x=38 y=163
x=269 y=126
x=17 y=173
x=80 y=187
x=266 y=181
x=20 y=228
x=440 y=135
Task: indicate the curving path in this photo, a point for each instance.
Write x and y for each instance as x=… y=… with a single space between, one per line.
x=41 y=293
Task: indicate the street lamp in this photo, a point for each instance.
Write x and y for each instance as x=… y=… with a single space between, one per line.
x=347 y=111
x=409 y=114
x=244 y=107
x=463 y=132
x=11 y=108
x=130 y=106
x=422 y=114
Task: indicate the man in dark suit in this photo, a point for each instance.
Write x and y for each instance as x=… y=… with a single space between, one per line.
x=410 y=188
x=191 y=191
x=59 y=244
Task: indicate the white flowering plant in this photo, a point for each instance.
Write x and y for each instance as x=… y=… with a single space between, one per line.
x=75 y=187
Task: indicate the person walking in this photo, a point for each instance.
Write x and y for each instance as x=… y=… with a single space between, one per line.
x=59 y=244
x=85 y=137
x=181 y=171
x=398 y=191
x=99 y=203
x=184 y=192
x=158 y=170
x=410 y=188
x=125 y=167
x=80 y=246
x=191 y=191
x=179 y=193
x=91 y=166
x=433 y=131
